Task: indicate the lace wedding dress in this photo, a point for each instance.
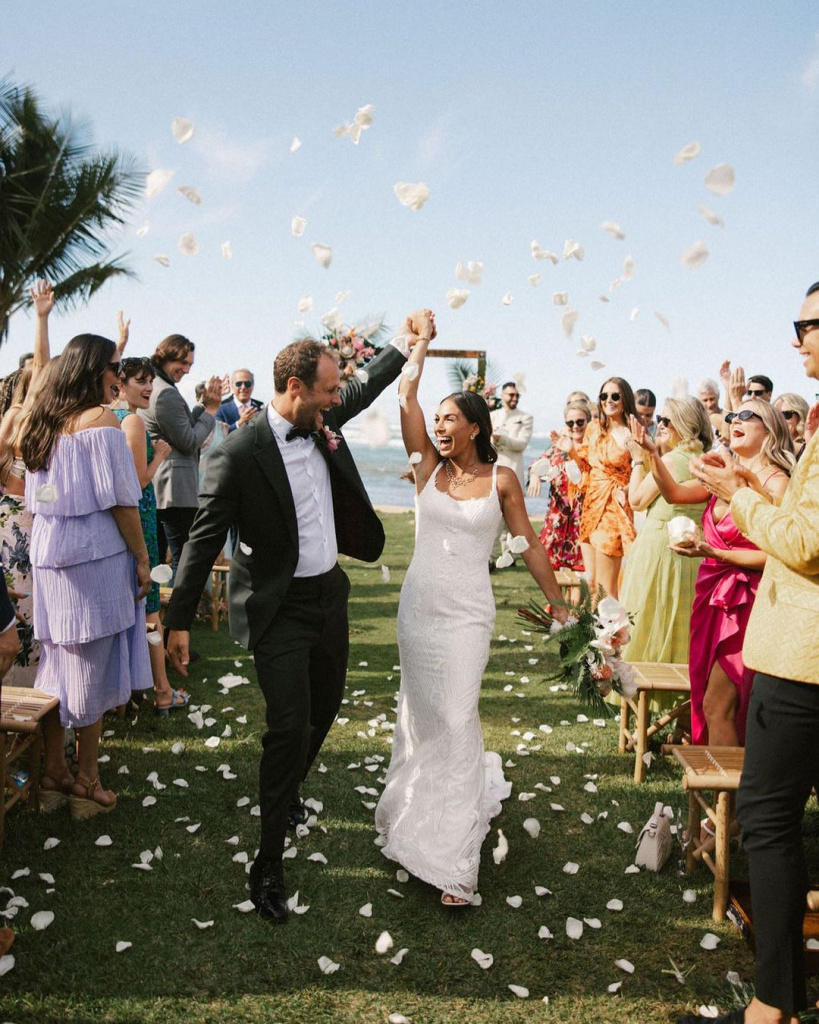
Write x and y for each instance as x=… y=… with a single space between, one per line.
x=442 y=790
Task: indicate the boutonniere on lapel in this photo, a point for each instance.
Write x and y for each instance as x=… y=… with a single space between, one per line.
x=327 y=438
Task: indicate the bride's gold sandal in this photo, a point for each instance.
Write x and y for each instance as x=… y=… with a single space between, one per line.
x=86 y=806
x=53 y=796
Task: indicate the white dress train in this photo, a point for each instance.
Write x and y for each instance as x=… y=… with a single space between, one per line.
x=442 y=789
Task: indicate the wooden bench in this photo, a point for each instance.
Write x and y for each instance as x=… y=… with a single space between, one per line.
x=21 y=717
x=569 y=583
x=218 y=594
x=716 y=770
x=652 y=678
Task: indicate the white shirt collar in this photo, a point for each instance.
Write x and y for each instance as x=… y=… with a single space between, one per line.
x=278 y=424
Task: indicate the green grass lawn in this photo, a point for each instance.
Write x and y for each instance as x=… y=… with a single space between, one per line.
x=242 y=969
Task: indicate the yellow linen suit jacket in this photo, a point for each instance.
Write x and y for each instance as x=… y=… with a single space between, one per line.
x=781 y=639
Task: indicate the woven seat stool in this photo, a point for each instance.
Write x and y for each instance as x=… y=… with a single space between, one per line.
x=21 y=716
x=569 y=583
x=652 y=677
x=715 y=770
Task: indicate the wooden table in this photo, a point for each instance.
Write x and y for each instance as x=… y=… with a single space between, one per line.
x=652 y=678
x=716 y=770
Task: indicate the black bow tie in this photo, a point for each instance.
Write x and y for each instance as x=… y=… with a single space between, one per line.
x=295 y=432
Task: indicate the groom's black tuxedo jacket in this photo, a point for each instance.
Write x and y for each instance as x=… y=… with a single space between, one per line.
x=246 y=484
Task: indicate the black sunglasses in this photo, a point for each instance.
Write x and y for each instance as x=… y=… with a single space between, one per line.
x=243 y=384
x=663 y=421
x=744 y=415
x=803 y=326
x=575 y=423
x=115 y=368
x=755 y=394
x=614 y=396
x=790 y=413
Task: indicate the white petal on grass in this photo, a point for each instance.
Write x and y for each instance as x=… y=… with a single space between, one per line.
x=322 y=253
x=593 y=922
x=50 y=843
x=574 y=928
x=710 y=216
x=182 y=130
x=709 y=1012
x=626 y=827
x=190 y=194
x=501 y=850
x=625 y=965
x=570 y=868
x=122 y=946
x=483 y=960
x=544 y=933
x=148 y=801
x=366 y=910
x=245 y=907
x=385 y=574
x=568 y=320
x=44 y=876
x=519 y=991
x=327 y=966
x=615 y=987
x=560 y=298
x=212 y=742
x=614 y=905
x=297 y=226
x=695 y=255
x=541 y=890
x=689 y=896
x=193 y=828
x=720 y=179
x=413 y=196
x=202 y=925
x=402 y=876
x=397 y=1018
x=532 y=826
x=41 y=920
x=156 y=181
x=161 y=574
x=573 y=250
x=632 y=869
x=162 y=259
x=384 y=943
x=456 y=297
x=613 y=229
x=514 y=901
x=103 y=841
x=507 y=299
x=687 y=153
x=709 y=941
x=399 y=956
x=188 y=245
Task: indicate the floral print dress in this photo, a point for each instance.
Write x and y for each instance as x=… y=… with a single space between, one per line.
x=15 y=541
x=560 y=533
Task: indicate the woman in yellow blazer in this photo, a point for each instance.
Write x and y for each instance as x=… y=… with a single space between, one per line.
x=781 y=752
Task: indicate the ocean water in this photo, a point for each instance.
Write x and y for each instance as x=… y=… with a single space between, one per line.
x=381 y=468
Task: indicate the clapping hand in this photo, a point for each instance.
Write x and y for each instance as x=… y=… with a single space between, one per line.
x=641 y=436
x=737 y=387
x=42 y=297
x=161 y=450
x=562 y=441
x=212 y=396
x=246 y=415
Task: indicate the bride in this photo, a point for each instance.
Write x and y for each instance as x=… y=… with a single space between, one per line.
x=441 y=788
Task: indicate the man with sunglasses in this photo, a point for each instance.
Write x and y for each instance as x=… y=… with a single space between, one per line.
x=781 y=751
x=511 y=434
x=240 y=407
x=759 y=386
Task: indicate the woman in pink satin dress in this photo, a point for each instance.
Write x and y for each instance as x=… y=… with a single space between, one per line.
x=729 y=573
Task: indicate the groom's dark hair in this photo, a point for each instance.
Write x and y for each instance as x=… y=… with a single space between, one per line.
x=299 y=359
x=476 y=411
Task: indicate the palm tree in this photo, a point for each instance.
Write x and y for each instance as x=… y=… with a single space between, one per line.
x=60 y=200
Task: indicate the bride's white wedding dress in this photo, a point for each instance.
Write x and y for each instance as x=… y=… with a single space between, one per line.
x=441 y=788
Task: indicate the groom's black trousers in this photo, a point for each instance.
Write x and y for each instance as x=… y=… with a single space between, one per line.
x=301 y=664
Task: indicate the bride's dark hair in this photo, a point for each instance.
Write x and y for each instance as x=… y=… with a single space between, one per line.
x=476 y=411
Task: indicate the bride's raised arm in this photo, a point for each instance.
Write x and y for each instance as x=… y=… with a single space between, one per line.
x=419 y=329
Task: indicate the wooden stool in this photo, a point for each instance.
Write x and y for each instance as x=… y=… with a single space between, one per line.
x=569 y=583
x=652 y=677
x=717 y=770
x=218 y=593
x=21 y=713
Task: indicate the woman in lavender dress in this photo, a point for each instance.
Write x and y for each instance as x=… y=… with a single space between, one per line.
x=89 y=561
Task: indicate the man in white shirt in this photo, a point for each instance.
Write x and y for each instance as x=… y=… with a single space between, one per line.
x=511 y=434
x=240 y=407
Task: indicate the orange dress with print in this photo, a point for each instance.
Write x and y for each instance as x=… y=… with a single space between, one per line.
x=605 y=523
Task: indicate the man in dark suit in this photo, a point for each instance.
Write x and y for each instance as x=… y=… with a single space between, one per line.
x=240 y=407
x=289 y=483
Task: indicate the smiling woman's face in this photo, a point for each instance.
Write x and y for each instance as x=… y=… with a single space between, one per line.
x=453 y=431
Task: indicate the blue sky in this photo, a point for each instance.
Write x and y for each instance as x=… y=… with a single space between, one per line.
x=528 y=121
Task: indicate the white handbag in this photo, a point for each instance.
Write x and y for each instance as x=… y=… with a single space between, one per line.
x=655 y=841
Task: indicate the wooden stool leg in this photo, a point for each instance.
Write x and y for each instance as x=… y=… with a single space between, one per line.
x=693 y=832
x=2 y=786
x=35 y=761
x=642 y=736
x=625 y=712
x=722 y=855
x=214 y=601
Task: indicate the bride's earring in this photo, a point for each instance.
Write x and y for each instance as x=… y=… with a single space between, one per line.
x=472 y=437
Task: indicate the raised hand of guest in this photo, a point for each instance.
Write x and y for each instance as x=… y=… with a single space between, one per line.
x=212 y=397
x=42 y=298
x=812 y=422
x=124 y=328
x=641 y=436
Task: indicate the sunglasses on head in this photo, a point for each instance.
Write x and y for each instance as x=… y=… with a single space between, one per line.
x=744 y=415
x=243 y=384
x=663 y=421
x=614 y=396
x=116 y=368
x=803 y=326
x=576 y=423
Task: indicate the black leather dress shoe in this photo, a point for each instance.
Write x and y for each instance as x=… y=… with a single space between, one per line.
x=268 y=893
x=298 y=813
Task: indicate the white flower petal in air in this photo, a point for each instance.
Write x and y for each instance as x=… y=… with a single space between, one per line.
x=710 y=216
x=364 y=116
x=504 y=561
x=519 y=991
x=574 y=928
x=628 y=269
x=483 y=960
x=41 y=920
x=143 y=231
x=519 y=544
x=560 y=298
x=295 y=144
x=182 y=130
x=471 y=272
x=710 y=941
x=156 y=181
x=384 y=943
x=46 y=495
x=720 y=179
x=663 y=320
x=568 y=320
x=625 y=965
x=695 y=255
x=501 y=850
x=161 y=574
x=542 y=254
x=613 y=229
x=305 y=304
x=573 y=250
x=507 y=299
x=190 y=194
x=227 y=251
x=587 y=344
x=595 y=365
x=456 y=297
x=634 y=314
x=122 y=946
x=297 y=226
x=687 y=153
x=570 y=868
x=514 y=901
x=413 y=196
x=188 y=245
x=322 y=253
x=162 y=259
x=327 y=966
x=533 y=279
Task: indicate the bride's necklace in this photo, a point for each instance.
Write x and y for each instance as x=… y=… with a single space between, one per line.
x=464 y=478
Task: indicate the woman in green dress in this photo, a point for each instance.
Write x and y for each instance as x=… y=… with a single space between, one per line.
x=658 y=588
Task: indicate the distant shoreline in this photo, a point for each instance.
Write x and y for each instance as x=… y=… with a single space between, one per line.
x=393 y=509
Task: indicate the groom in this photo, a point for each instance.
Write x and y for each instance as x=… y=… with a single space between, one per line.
x=289 y=483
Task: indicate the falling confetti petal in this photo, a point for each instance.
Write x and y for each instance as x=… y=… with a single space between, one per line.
x=573 y=250
x=518 y=544
x=182 y=129
x=533 y=279
x=542 y=254
x=156 y=181
x=143 y=231
x=413 y=196
x=613 y=229
x=305 y=304
x=687 y=153
x=188 y=245
x=161 y=574
x=507 y=299
x=470 y=272
x=297 y=226
x=663 y=320
x=710 y=216
x=720 y=179
x=322 y=253
x=560 y=298
x=190 y=194
x=483 y=960
x=456 y=297
x=695 y=255
x=295 y=144
x=227 y=251
x=568 y=320
x=162 y=259
x=634 y=314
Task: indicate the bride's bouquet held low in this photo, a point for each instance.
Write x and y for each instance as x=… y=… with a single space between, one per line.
x=589 y=645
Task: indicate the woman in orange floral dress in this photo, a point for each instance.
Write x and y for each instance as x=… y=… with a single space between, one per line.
x=607 y=521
